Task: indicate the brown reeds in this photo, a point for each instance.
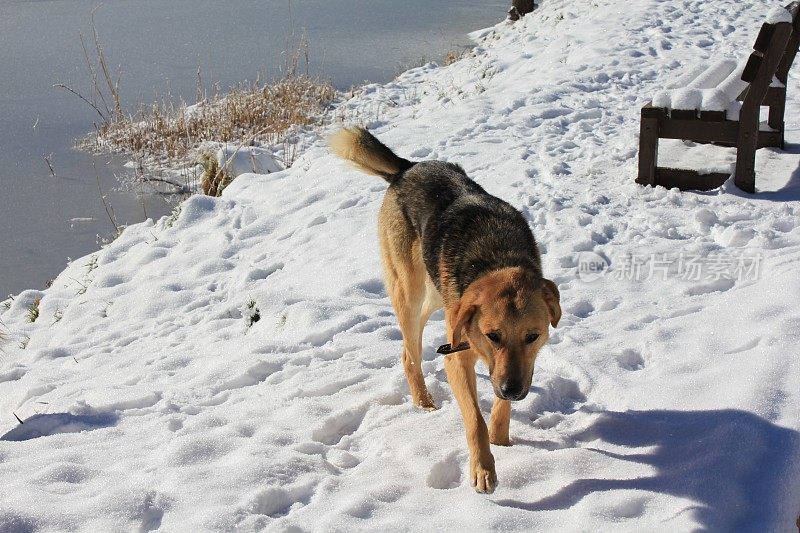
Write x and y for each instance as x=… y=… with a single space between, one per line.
x=166 y=135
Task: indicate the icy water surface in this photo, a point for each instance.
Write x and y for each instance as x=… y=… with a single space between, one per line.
x=159 y=45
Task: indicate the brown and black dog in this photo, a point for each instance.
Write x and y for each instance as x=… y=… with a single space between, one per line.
x=445 y=242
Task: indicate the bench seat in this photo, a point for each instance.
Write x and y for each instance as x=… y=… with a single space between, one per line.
x=720 y=104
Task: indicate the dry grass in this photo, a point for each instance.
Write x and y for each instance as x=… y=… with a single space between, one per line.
x=33 y=310
x=454 y=55
x=215 y=177
x=166 y=136
x=247 y=114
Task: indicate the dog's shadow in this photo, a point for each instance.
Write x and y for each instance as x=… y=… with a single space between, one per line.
x=739 y=468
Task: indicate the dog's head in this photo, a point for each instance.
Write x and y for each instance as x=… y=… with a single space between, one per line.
x=506 y=316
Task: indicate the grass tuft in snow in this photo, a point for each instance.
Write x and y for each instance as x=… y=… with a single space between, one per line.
x=251 y=313
x=4 y=336
x=173 y=216
x=455 y=55
x=215 y=177
x=33 y=310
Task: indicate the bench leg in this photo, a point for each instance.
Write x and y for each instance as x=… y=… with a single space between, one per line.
x=776 y=112
x=746 y=150
x=648 y=151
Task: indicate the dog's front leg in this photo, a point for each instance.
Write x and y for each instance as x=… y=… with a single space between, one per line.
x=460 y=368
x=499 y=423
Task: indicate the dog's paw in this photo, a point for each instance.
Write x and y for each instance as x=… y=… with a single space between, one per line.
x=483 y=475
x=425 y=403
x=500 y=440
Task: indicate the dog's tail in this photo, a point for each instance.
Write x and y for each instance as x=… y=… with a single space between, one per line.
x=366 y=152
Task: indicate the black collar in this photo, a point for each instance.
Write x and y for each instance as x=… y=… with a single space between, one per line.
x=447 y=348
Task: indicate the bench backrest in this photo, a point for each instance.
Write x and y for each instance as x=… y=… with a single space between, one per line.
x=773 y=53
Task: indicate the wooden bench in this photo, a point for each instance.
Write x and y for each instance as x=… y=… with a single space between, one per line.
x=765 y=77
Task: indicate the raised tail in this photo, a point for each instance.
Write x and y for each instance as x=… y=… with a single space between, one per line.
x=365 y=151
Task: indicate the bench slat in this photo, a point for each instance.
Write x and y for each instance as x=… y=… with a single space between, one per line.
x=713 y=116
x=683 y=114
x=764 y=37
x=698 y=130
x=751 y=68
x=649 y=111
x=794 y=9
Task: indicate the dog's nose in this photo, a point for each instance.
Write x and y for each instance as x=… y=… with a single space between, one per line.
x=511 y=390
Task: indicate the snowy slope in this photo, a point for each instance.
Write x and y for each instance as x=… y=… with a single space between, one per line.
x=152 y=399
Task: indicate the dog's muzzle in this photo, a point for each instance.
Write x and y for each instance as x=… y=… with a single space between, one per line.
x=511 y=390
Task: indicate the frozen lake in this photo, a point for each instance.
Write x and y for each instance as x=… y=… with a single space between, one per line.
x=159 y=45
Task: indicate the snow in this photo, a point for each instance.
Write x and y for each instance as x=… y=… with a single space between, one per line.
x=713 y=89
x=714 y=74
x=238 y=160
x=777 y=15
x=153 y=398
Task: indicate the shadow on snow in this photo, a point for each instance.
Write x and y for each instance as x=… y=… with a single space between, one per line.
x=739 y=468
x=44 y=425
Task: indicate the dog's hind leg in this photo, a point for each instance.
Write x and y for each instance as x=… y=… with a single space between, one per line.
x=460 y=368
x=498 y=425
x=408 y=297
x=405 y=278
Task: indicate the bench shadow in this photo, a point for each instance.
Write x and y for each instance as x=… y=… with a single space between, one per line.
x=734 y=464
x=44 y=425
x=789 y=191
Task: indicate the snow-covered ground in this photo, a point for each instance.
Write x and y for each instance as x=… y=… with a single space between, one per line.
x=237 y=365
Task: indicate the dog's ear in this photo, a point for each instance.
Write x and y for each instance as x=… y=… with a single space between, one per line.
x=552 y=298
x=459 y=315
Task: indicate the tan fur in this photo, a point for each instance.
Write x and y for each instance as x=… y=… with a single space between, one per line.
x=486 y=306
x=367 y=153
x=482 y=307
x=412 y=293
x=508 y=300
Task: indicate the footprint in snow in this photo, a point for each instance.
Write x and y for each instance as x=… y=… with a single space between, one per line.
x=630 y=359
x=152 y=511
x=316 y=221
x=279 y=501
x=421 y=153
x=581 y=308
x=254 y=375
x=331 y=388
x=627 y=508
x=642 y=322
x=446 y=473
x=688 y=311
x=339 y=426
x=350 y=202
x=749 y=345
x=258 y=274
x=373 y=287
x=557 y=395
x=720 y=285
x=342 y=459
x=13 y=374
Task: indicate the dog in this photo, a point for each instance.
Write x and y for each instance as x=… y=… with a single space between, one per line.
x=446 y=242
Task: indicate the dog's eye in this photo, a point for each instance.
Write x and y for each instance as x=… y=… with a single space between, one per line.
x=531 y=338
x=494 y=337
